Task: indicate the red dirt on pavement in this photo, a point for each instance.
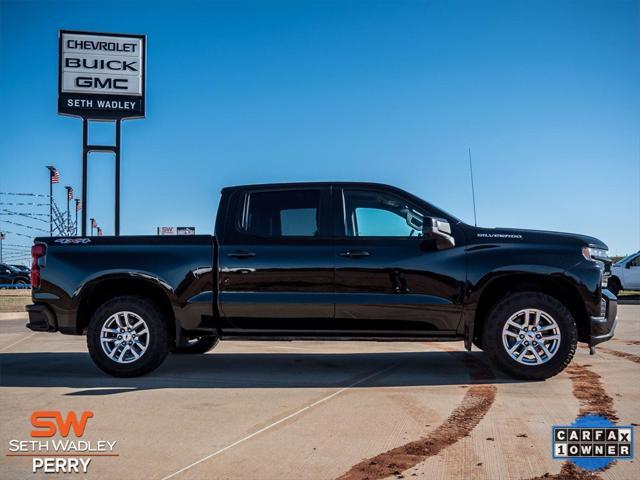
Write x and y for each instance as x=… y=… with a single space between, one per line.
x=625 y=355
x=594 y=400
x=590 y=392
x=570 y=471
x=462 y=420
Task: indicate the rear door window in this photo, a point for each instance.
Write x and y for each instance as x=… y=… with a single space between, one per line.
x=284 y=213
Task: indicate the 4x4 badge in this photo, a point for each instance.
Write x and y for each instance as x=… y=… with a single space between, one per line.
x=72 y=240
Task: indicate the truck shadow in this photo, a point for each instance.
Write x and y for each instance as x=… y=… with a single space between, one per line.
x=249 y=370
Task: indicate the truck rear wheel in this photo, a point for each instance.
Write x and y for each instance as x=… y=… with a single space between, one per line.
x=196 y=345
x=530 y=335
x=127 y=336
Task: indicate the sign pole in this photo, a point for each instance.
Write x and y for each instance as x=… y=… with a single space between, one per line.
x=117 y=199
x=114 y=90
x=84 y=177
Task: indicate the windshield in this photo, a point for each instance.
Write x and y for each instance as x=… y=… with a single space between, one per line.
x=626 y=259
x=441 y=212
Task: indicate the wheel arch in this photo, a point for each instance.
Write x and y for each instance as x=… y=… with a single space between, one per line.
x=615 y=278
x=558 y=287
x=99 y=290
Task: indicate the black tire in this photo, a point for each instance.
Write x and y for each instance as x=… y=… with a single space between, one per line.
x=196 y=345
x=21 y=281
x=613 y=285
x=158 y=339
x=504 y=309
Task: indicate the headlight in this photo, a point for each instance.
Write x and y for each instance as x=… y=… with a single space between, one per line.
x=595 y=253
x=600 y=257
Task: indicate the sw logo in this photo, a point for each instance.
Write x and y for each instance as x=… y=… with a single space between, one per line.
x=61 y=454
x=48 y=423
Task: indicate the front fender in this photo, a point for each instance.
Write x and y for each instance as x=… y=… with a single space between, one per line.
x=494 y=270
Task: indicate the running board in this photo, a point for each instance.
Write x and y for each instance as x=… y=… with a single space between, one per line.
x=289 y=338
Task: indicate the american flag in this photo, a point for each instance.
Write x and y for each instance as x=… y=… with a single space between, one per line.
x=54 y=175
x=99 y=232
x=94 y=224
x=69 y=192
x=78 y=205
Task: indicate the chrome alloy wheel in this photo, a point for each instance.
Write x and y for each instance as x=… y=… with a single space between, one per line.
x=531 y=336
x=124 y=337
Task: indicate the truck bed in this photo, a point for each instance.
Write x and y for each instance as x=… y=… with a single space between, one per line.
x=178 y=269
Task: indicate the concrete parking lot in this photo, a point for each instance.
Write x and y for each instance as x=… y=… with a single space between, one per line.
x=277 y=410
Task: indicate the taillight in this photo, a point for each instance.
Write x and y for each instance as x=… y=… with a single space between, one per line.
x=37 y=251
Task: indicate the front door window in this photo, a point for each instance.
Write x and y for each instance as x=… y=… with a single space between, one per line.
x=375 y=214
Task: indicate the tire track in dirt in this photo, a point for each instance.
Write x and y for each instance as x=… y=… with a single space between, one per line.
x=462 y=420
x=627 y=342
x=627 y=356
x=590 y=392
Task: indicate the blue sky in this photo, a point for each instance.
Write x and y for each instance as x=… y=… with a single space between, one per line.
x=546 y=95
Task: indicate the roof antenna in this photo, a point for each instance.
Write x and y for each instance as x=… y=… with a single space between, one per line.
x=473 y=190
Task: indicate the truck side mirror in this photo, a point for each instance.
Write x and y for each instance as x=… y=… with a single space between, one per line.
x=440 y=230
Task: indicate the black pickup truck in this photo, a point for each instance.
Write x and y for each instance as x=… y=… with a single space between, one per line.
x=327 y=261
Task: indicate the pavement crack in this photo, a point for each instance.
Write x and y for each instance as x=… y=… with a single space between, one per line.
x=304 y=409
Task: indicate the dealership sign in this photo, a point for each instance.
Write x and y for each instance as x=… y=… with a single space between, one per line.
x=101 y=75
x=176 y=230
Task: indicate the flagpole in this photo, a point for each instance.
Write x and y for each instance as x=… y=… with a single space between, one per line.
x=50 y=202
x=68 y=213
x=77 y=200
x=50 y=206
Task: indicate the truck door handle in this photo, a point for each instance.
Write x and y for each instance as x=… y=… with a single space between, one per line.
x=355 y=254
x=241 y=254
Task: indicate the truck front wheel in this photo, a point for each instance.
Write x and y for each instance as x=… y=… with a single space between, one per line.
x=614 y=286
x=127 y=336
x=530 y=335
x=196 y=345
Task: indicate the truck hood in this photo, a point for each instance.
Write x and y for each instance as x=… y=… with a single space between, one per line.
x=514 y=235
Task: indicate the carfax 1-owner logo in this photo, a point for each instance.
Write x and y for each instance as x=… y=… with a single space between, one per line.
x=592 y=442
x=56 y=444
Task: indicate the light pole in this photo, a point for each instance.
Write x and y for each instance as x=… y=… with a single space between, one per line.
x=1 y=239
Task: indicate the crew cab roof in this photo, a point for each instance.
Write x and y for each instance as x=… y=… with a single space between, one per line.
x=389 y=188
x=308 y=184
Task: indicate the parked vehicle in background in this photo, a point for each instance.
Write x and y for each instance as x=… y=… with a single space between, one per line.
x=625 y=274
x=327 y=261
x=9 y=275
x=22 y=268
